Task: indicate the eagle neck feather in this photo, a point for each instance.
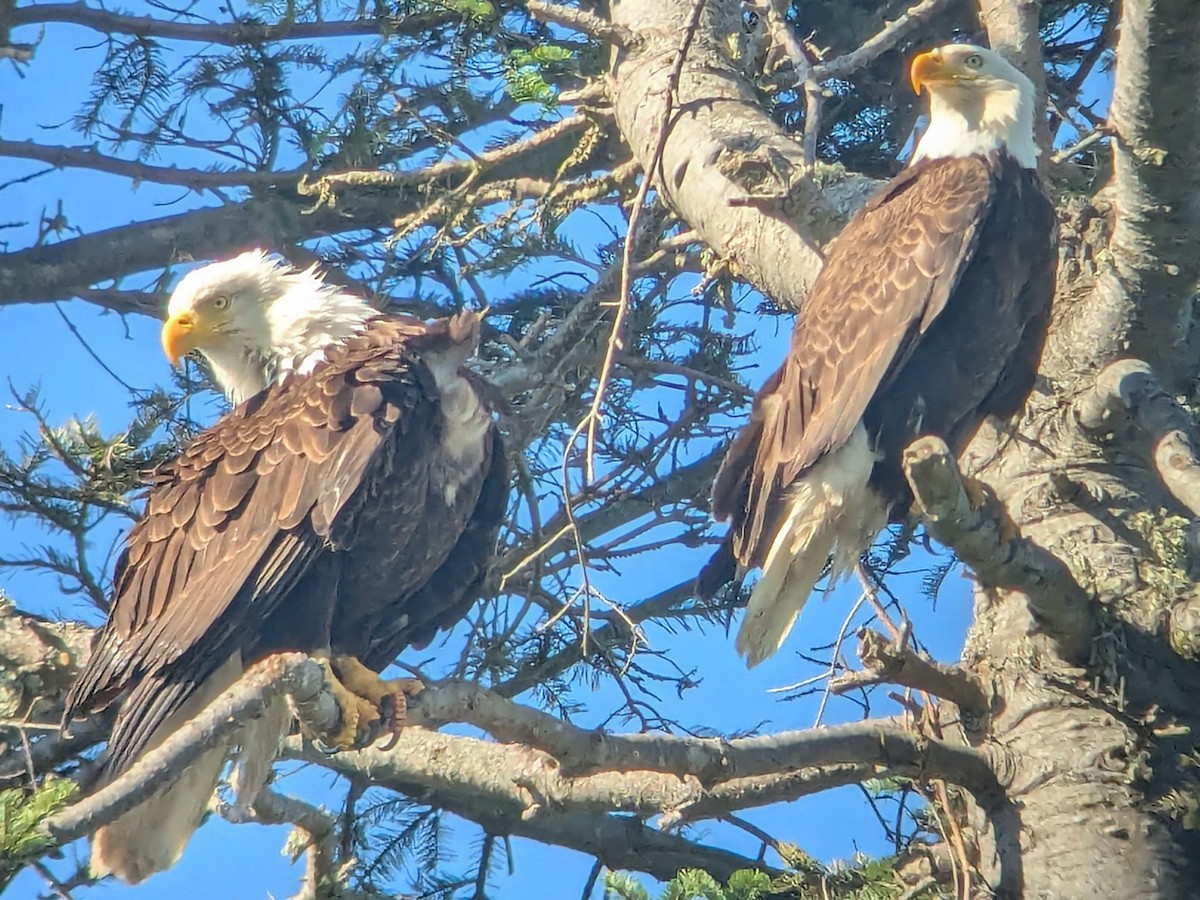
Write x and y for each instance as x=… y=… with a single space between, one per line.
x=969 y=122
x=309 y=317
x=302 y=324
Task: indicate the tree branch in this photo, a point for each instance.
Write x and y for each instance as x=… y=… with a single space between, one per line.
x=231 y=34
x=880 y=42
x=985 y=538
x=564 y=777
x=1129 y=387
x=579 y=753
x=276 y=217
x=316 y=836
x=292 y=673
x=583 y=21
x=512 y=789
x=90 y=158
x=40 y=660
x=887 y=663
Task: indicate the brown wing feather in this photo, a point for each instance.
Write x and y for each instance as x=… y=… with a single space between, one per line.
x=886 y=278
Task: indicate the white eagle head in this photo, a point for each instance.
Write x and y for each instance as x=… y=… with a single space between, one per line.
x=978 y=102
x=254 y=319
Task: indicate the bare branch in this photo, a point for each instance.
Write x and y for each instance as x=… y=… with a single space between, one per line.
x=880 y=42
x=512 y=790
x=583 y=21
x=292 y=673
x=229 y=34
x=886 y=662
x=644 y=774
x=1129 y=387
x=276 y=217
x=90 y=158
x=578 y=751
x=986 y=540
x=316 y=833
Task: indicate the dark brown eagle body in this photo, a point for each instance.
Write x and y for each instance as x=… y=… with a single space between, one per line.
x=930 y=314
x=327 y=512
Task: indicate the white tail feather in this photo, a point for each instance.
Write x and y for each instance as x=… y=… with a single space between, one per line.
x=832 y=513
x=150 y=837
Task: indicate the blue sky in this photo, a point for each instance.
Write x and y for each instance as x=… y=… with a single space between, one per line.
x=37 y=348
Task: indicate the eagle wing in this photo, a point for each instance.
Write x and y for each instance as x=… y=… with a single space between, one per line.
x=886 y=278
x=234 y=522
x=450 y=592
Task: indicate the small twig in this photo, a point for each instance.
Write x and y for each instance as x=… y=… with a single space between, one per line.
x=317 y=830
x=1079 y=146
x=767 y=839
x=834 y=665
x=834 y=661
x=60 y=890
x=485 y=865
x=885 y=662
x=900 y=633
x=811 y=76
x=961 y=869
x=91 y=351
x=814 y=104
x=592 y=878
x=30 y=726
x=228 y=34
x=987 y=540
x=1130 y=387
x=92 y=160
x=536 y=553
x=616 y=342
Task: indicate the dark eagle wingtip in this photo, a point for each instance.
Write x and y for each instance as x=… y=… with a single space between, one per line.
x=719 y=571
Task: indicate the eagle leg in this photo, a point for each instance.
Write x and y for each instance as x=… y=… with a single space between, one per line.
x=370 y=706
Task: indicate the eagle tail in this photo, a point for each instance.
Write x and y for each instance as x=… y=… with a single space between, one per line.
x=832 y=516
x=150 y=837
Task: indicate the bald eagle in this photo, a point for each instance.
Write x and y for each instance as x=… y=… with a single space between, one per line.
x=348 y=506
x=929 y=315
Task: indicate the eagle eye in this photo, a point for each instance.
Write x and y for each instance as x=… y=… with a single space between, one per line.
x=220 y=302
x=974 y=61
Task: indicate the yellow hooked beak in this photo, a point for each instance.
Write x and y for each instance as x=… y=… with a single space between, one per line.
x=182 y=334
x=926 y=67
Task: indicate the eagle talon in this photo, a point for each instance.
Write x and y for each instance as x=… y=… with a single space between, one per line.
x=370 y=706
